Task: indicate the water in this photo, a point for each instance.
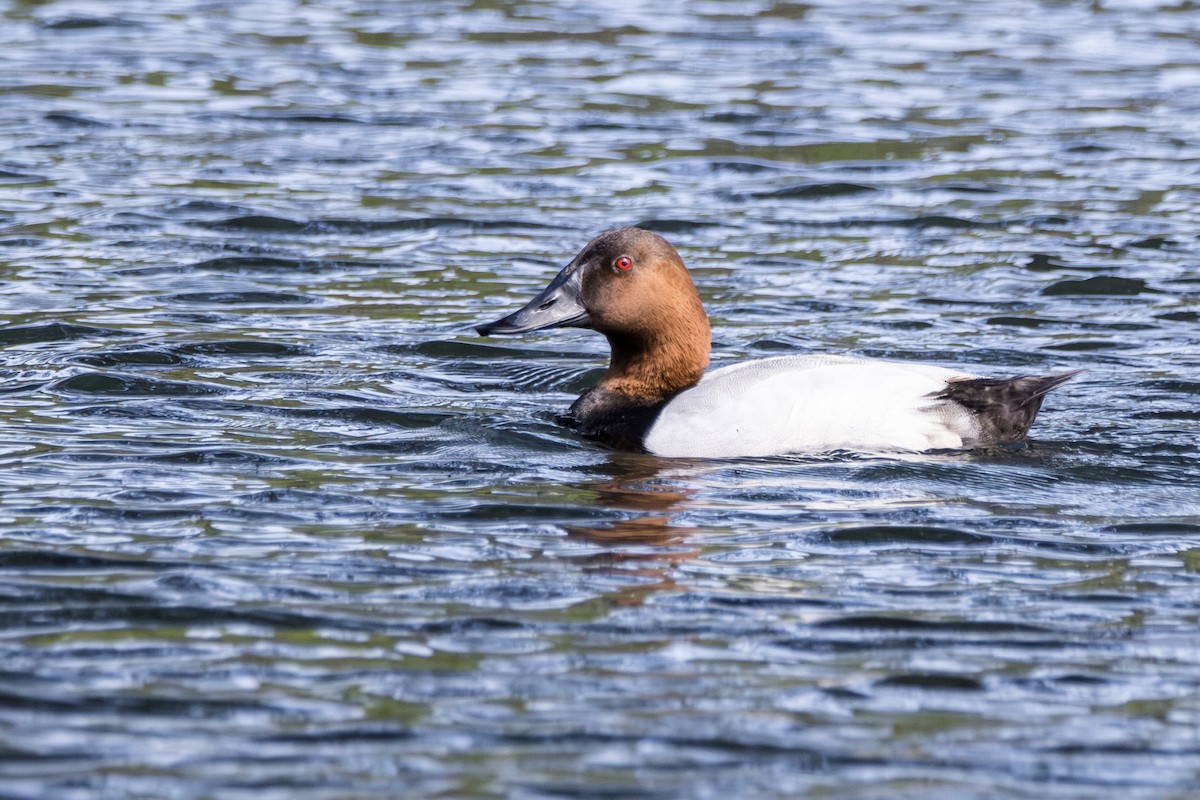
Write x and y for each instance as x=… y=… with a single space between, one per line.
x=277 y=524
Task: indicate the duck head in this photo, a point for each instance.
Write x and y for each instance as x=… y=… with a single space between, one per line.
x=630 y=285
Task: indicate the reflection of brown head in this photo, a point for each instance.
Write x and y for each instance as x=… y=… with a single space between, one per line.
x=639 y=488
x=652 y=567
x=647 y=544
x=648 y=530
x=638 y=495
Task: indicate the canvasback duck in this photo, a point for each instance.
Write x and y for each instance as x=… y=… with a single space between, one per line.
x=631 y=285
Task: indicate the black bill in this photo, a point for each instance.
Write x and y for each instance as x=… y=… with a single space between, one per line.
x=559 y=305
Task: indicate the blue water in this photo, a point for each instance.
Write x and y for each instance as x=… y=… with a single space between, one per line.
x=275 y=523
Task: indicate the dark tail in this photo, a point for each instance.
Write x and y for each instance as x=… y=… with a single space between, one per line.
x=1005 y=407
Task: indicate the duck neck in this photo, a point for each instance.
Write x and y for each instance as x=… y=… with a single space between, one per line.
x=648 y=369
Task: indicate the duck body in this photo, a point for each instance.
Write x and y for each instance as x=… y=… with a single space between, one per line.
x=812 y=404
x=657 y=396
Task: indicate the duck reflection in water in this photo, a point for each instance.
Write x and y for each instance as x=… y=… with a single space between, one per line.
x=648 y=539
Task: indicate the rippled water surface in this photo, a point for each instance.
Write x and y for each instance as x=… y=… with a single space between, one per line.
x=275 y=523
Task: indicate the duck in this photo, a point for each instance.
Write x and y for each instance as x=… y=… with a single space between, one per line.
x=658 y=395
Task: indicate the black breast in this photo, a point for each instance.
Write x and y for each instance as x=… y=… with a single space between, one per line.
x=617 y=420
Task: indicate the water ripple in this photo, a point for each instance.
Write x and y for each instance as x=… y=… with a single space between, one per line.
x=276 y=523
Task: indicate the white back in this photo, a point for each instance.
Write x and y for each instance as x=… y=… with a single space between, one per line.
x=812 y=404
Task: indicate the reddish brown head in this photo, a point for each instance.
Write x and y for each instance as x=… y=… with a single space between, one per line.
x=631 y=285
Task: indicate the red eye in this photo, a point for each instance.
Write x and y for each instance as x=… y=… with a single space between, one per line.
x=623 y=263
